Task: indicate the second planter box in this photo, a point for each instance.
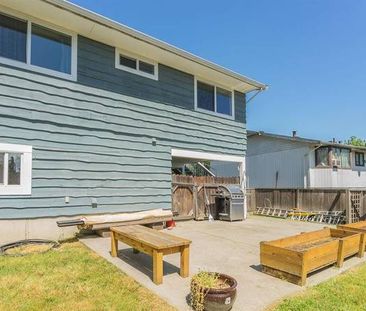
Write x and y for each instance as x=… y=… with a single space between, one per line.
x=293 y=258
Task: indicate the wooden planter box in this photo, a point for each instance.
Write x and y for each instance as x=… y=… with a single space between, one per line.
x=292 y=258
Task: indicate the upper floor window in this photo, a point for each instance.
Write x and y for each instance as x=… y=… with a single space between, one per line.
x=214 y=99
x=13 y=38
x=333 y=157
x=30 y=45
x=15 y=169
x=341 y=157
x=136 y=65
x=322 y=157
x=359 y=159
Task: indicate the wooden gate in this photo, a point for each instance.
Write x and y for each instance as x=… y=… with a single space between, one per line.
x=192 y=197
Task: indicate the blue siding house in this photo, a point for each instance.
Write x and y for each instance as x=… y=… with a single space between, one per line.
x=94 y=114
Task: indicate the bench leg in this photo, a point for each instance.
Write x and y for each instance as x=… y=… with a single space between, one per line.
x=157 y=267
x=184 y=261
x=114 y=245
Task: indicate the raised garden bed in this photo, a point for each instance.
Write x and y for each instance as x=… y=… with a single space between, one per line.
x=293 y=258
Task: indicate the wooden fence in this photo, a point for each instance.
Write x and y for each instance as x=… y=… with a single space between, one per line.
x=352 y=201
x=192 y=196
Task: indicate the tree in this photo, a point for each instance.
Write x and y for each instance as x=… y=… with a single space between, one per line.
x=355 y=141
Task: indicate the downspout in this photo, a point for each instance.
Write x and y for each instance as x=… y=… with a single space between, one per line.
x=242 y=167
x=243 y=186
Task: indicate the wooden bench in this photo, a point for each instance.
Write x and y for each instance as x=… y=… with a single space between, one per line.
x=154 y=243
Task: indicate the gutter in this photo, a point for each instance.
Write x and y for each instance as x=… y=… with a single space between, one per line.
x=104 y=21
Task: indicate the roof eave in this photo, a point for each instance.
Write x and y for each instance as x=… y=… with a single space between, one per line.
x=244 y=81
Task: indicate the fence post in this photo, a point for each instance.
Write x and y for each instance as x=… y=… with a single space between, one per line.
x=253 y=200
x=195 y=201
x=362 y=213
x=297 y=198
x=276 y=198
x=348 y=207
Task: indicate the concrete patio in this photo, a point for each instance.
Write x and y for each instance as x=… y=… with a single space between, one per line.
x=231 y=248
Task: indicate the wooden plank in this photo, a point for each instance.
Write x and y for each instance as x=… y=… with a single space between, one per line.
x=361 y=225
x=295 y=279
x=135 y=244
x=322 y=256
x=171 y=250
x=281 y=258
x=149 y=220
x=301 y=238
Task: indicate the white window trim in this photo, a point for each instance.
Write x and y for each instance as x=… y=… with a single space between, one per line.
x=215 y=85
x=198 y=155
x=119 y=52
x=25 y=187
x=27 y=65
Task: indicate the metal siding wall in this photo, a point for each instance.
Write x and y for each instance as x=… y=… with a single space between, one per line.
x=262 y=144
x=90 y=143
x=262 y=168
x=327 y=178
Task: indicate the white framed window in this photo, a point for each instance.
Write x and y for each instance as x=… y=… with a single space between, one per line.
x=31 y=44
x=135 y=64
x=15 y=169
x=214 y=99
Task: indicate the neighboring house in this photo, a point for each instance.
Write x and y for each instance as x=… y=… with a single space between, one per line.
x=278 y=161
x=94 y=115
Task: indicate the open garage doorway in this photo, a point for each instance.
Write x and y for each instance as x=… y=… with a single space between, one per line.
x=194 y=182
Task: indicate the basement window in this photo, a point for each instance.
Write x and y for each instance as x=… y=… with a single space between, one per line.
x=134 y=64
x=28 y=44
x=214 y=99
x=15 y=169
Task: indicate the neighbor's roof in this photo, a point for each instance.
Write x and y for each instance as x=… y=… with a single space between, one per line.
x=303 y=140
x=84 y=22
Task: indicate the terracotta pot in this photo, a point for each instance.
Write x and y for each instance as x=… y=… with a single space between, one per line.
x=221 y=299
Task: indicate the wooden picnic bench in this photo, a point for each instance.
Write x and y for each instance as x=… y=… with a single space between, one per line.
x=154 y=243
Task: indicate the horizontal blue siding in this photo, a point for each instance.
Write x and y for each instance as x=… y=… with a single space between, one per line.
x=96 y=68
x=93 y=143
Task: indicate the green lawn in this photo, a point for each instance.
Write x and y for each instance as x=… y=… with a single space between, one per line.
x=70 y=278
x=346 y=292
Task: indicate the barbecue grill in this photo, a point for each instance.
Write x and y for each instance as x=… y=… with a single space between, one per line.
x=229 y=201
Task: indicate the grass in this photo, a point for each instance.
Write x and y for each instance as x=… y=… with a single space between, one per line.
x=345 y=292
x=70 y=277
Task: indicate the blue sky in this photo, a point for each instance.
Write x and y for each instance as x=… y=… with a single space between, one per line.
x=312 y=54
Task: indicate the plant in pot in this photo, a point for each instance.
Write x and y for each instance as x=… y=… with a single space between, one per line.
x=211 y=291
